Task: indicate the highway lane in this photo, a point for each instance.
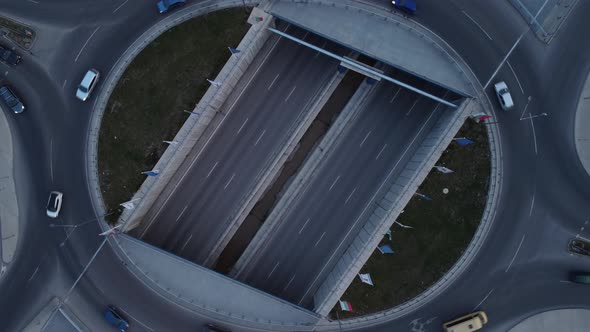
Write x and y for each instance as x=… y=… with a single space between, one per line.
x=324 y=218
x=196 y=214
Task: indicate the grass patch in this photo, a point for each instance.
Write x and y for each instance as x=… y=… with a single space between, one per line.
x=441 y=231
x=147 y=105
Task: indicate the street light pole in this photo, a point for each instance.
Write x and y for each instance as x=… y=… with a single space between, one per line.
x=107 y=233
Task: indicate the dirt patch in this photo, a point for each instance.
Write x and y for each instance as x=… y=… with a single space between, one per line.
x=147 y=105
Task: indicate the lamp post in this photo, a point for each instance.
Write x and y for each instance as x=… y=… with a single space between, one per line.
x=109 y=232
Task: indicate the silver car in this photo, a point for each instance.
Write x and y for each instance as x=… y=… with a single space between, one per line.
x=87 y=85
x=54 y=204
x=504 y=96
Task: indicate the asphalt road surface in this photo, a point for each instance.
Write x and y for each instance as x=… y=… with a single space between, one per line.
x=327 y=217
x=189 y=221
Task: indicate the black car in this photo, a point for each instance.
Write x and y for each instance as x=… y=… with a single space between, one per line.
x=11 y=100
x=9 y=57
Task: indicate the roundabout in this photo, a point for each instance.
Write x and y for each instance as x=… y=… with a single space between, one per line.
x=515 y=267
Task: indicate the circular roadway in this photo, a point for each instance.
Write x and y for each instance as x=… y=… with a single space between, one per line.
x=519 y=271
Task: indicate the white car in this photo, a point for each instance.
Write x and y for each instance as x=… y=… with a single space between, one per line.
x=504 y=96
x=87 y=84
x=54 y=204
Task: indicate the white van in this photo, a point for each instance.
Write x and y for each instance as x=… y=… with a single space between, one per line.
x=471 y=322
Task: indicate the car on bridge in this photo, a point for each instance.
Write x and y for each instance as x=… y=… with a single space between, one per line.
x=9 y=57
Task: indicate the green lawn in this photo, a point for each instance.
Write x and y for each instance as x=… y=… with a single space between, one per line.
x=147 y=105
x=441 y=231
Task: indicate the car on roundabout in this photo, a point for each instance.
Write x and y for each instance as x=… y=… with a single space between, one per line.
x=9 y=57
x=579 y=247
x=165 y=6
x=11 y=100
x=406 y=6
x=504 y=96
x=468 y=323
x=87 y=84
x=54 y=204
x=580 y=277
x=113 y=317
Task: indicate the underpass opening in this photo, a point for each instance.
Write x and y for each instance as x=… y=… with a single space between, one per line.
x=363 y=69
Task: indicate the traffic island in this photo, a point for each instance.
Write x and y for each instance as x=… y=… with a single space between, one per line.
x=154 y=97
x=17 y=32
x=432 y=233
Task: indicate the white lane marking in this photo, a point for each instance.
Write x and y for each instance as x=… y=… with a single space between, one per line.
x=565 y=281
x=273 y=270
x=321 y=237
x=534 y=134
x=121 y=5
x=516 y=253
x=380 y=152
x=514 y=73
x=33 y=1
x=228 y=182
x=185 y=243
x=63 y=86
x=273 y=82
x=51 y=158
x=289 y=283
x=525 y=107
x=135 y=319
x=242 y=126
x=366 y=136
x=532 y=204
x=290 y=93
x=413 y=105
x=181 y=213
x=349 y=196
x=301 y=230
x=333 y=183
x=208 y=139
x=34 y=273
x=212 y=169
x=86 y=43
x=260 y=137
x=395 y=95
x=586 y=223
x=482 y=301
x=368 y=204
x=479 y=26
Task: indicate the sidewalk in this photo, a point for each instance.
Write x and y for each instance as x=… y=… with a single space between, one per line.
x=564 y=320
x=8 y=204
x=581 y=132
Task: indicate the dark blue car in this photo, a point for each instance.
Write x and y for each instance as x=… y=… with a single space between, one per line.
x=407 y=6
x=115 y=319
x=167 y=5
